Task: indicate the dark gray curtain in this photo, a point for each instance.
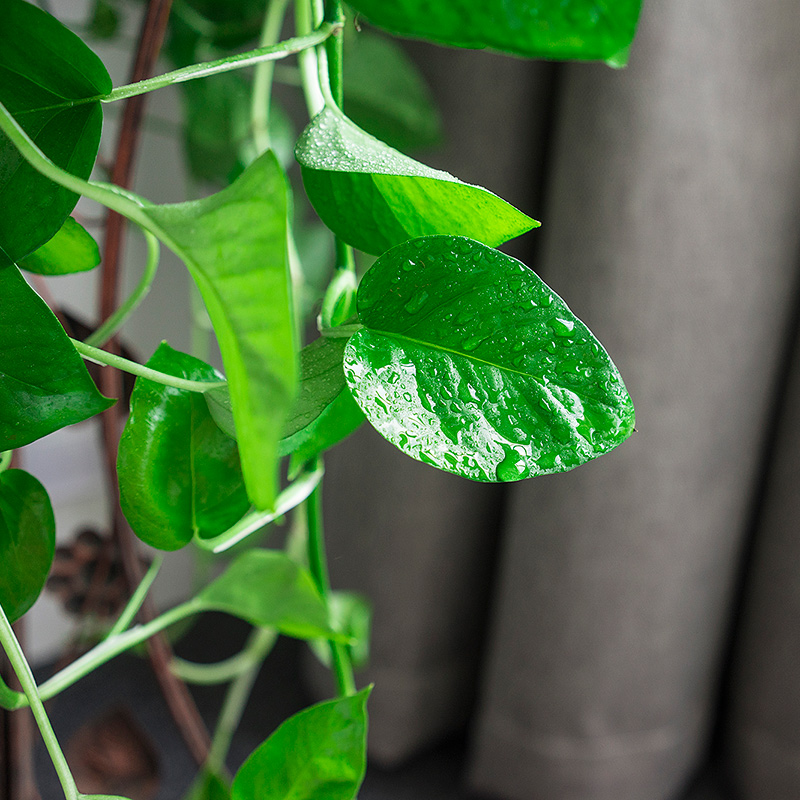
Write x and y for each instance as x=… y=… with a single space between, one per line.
x=669 y=194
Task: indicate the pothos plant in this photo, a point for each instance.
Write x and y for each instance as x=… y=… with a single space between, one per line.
x=456 y=353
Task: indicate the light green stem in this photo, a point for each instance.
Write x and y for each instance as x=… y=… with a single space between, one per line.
x=5 y=460
x=137 y=598
x=209 y=674
x=271 y=53
x=258 y=646
x=23 y=671
x=141 y=371
x=263 y=73
x=309 y=69
x=118 y=318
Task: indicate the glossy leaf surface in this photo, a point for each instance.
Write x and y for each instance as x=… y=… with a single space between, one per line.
x=469 y=362
x=179 y=474
x=47 y=77
x=44 y=384
x=234 y=245
x=72 y=249
x=318 y=754
x=267 y=588
x=579 y=29
x=27 y=540
x=374 y=197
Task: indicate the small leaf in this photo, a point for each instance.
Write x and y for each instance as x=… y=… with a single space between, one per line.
x=51 y=83
x=44 y=384
x=104 y=22
x=580 y=29
x=385 y=94
x=374 y=197
x=71 y=250
x=208 y=786
x=469 y=362
x=268 y=589
x=318 y=754
x=234 y=244
x=179 y=474
x=27 y=540
x=351 y=614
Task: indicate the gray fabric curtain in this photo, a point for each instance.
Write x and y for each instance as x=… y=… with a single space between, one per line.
x=670 y=200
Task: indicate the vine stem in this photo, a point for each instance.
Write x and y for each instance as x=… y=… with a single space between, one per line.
x=23 y=672
x=318 y=566
x=104 y=358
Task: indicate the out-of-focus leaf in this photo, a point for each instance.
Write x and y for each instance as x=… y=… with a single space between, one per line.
x=27 y=541
x=351 y=614
x=179 y=474
x=51 y=83
x=208 y=786
x=44 y=384
x=469 y=362
x=72 y=249
x=104 y=22
x=374 y=197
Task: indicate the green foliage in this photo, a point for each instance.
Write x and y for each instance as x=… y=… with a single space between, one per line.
x=351 y=614
x=582 y=29
x=208 y=786
x=27 y=541
x=374 y=197
x=469 y=362
x=51 y=82
x=179 y=474
x=44 y=385
x=71 y=250
x=318 y=754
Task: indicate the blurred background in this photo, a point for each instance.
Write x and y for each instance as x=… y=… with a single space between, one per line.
x=626 y=631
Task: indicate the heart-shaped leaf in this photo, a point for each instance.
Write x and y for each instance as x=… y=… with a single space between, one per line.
x=179 y=474
x=318 y=753
x=27 y=540
x=234 y=244
x=71 y=250
x=469 y=362
x=51 y=83
x=44 y=384
x=268 y=589
x=579 y=29
x=374 y=197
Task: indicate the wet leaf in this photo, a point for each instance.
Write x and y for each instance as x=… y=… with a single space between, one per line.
x=374 y=197
x=318 y=753
x=469 y=362
x=268 y=589
x=51 y=83
x=234 y=245
x=179 y=474
x=27 y=541
x=72 y=249
x=579 y=29
x=44 y=385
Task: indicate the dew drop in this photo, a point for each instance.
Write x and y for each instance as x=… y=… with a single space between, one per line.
x=511 y=467
x=417 y=302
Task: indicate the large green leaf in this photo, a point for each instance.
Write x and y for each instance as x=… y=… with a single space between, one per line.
x=27 y=540
x=374 y=197
x=267 y=588
x=580 y=29
x=318 y=754
x=385 y=94
x=72 y=249
x=234 y=245
x=51 y=83
x=469 y=362
x=44 y=384
x=179 y=474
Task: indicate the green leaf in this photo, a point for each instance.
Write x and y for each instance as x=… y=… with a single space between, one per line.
x=104 y=22
x=351 y=614
x=268 y=589
x=469 y=362
x=51 y=83
x=27 y=540
x=208 y=786
x=318 y=754
x=44 y=384
x=234 y=245
x=579 y=29
x=179 y=474
x=374 y=197
x=72 y=249
x=385 y=94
